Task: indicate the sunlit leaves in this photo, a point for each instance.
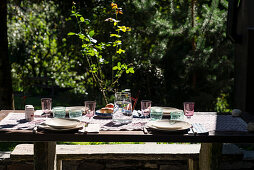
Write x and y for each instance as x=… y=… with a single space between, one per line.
x=120 y=51
x=71 y=33
x=124 y=28
x=116 y=43
x=115 y=35
x=130 y=70
x=94 y=53
x=91 y=33
x=82 y=19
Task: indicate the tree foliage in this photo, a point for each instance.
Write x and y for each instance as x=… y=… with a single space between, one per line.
x=178 y=48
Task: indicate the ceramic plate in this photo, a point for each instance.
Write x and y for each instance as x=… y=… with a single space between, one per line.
x=61 y=123
x=168 y=125
x=76 y=108
x=103 y=115
x=46 y=127
x=168 y=110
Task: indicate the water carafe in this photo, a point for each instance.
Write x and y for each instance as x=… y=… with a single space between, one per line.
x=122 y=113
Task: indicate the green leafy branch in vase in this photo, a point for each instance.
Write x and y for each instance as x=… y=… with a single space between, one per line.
x=93 y=51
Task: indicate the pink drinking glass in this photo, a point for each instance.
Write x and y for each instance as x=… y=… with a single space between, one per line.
x=146 y=107
x=46 y=104
x=188 y=109
x=90 y=108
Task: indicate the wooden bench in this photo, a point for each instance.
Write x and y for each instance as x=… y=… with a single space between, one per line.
x=149 y=151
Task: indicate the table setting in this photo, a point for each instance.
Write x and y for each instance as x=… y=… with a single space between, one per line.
x=120 y=116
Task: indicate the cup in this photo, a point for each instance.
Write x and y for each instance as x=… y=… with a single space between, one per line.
x=146 y=107
x=156 y=113
x=90 y=108
x=122 y=113
x=75 y=113
x=29 y=112
x=59 y=112
x=188 y=109
x=177 y=115
x=46 y=104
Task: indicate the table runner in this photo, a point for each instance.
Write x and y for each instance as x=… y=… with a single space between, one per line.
x=16 y=121
x=219 y=122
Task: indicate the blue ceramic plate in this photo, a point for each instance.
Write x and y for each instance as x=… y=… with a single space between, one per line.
x=103 y=115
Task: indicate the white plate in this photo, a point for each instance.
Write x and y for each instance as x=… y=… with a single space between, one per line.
x=44 y=126
x=76 y=108
x=168 y=110
x=62 y=123
x=168 y=125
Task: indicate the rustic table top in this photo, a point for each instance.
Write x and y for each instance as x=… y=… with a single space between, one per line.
x=130 y=136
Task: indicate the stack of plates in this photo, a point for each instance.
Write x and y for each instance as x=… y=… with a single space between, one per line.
x=168 y=125
x=61 y=124
x=168 y=110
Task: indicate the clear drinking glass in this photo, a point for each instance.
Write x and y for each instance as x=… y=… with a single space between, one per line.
x=46 y=104
x=156 y=113
x=146 y=107
x=59 y=112
x=90 y=108
x=188 y=109
x=75 y=113
x=122 y=113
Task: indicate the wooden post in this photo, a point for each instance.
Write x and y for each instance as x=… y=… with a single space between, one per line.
x=193 y=164
x=59 y=164
x=45 y=155
x=6 y=96
x=210 y=156
x=243 y=88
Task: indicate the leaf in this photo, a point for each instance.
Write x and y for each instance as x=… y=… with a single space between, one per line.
x=118 y=64
x=120 y=51
x=115 y=68
x=81 y=36
x=82 y=19
x=131 y=70
x=115 y=35
x=91 y=33
x=71 y=33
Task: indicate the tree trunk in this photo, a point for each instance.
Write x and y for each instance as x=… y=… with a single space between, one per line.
x=6 y=97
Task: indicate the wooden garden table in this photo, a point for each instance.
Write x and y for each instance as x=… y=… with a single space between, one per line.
x=45 y=143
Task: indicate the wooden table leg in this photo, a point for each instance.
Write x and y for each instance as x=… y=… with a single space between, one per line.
x=45 y=155
x=210 y=156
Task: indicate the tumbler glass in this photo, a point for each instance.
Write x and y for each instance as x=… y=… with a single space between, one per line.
x=90 y=108
x=75 y=113
x=46 y=104
x=59 y=112
x=146 y=107
x=188 y=109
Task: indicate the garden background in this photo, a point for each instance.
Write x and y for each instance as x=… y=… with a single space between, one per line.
x=178 y=50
